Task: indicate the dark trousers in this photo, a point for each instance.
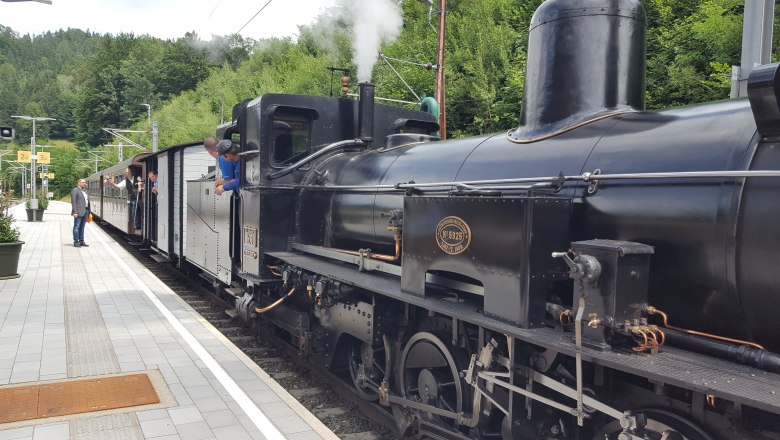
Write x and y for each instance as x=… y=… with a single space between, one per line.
x=78 y=228
x=135 y=216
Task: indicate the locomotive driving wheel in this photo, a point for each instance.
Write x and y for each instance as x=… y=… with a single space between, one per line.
x=429 y=373
x=369 y=366
x=667 y=424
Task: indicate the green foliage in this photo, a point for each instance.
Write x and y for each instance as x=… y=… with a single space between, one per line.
x=43 y=200
x=8 y=232
x=690 y=46
x=88 y=81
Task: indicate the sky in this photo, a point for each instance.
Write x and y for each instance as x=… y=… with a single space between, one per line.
x=166 y=19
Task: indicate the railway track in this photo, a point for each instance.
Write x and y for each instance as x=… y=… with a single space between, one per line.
x=326 y=395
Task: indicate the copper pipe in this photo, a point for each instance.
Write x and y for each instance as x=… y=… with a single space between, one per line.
x=567 y=315
x=380 y=257
x=273 y=270
x=655 y=329
x=654 y=341
x=644 y=345
x=276 y=303
x=653 y=311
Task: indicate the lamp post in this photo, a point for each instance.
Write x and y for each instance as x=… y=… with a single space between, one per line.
x=33 y=155
x=148 y=114
x=153 y=126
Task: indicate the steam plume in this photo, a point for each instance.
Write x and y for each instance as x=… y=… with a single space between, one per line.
x=374 y=22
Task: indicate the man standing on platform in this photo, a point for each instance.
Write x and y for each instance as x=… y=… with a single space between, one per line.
x=79 y=202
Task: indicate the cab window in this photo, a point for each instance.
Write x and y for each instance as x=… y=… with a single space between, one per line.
x=291 y=138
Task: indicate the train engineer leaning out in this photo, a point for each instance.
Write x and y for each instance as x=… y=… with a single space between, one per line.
x=228 y=150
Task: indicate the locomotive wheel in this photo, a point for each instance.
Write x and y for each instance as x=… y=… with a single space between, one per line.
x=368 y=365
x=429 y=373
x=659 y=420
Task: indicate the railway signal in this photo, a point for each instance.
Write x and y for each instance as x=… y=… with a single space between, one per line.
x=7 y=133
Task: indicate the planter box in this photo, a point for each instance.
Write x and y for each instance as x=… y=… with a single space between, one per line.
x=9 y=259
x=34 y=215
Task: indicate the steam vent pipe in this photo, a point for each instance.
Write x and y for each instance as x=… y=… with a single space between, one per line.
x=366 y=112
x=586 y=60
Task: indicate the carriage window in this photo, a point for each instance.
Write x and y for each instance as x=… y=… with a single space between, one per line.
x=291 y=138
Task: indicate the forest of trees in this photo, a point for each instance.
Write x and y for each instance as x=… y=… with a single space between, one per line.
x=88 y=81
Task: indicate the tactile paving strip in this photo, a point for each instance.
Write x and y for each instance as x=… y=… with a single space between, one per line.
x=75 y=397
x=89 y=348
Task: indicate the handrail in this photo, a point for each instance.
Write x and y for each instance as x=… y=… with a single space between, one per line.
x=340 y=145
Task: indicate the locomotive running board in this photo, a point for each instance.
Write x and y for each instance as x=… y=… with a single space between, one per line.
x=368 y=264
x=691 y=371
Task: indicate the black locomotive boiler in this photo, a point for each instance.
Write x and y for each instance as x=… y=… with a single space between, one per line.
x=597 y=272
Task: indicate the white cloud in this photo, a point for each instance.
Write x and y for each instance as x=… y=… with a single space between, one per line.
x=168 y=19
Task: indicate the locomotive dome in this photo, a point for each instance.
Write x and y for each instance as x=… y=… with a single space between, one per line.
x=586 y=61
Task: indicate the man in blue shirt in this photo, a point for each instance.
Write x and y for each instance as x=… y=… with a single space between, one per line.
x=228 y=168
x=228 y=151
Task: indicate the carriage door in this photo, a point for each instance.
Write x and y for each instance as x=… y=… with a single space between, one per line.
x=163 y=202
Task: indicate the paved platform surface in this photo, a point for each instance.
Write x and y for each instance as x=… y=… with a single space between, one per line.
x=92 y=311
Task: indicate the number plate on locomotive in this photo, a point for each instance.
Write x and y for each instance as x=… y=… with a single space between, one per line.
x=453 y=235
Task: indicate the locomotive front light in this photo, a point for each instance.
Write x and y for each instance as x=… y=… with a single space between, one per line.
x=7 y=133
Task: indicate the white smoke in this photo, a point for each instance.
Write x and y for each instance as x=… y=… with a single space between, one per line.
x=374 y=22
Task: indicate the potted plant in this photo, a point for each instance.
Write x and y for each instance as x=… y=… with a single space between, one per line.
x=10 y=246
x=36 y=214
x=43 y=204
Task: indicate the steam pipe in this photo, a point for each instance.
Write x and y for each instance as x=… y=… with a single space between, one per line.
x=380 y=257
x=275 y=303
x=336 y=146
x=761 y=359
x=650 y=310
x=366 y=112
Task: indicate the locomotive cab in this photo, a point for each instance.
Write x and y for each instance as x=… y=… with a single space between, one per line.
x=285 y=139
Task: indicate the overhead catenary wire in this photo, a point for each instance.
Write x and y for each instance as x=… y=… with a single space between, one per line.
x=384 y=58
x=253 y=17
x=215 y=8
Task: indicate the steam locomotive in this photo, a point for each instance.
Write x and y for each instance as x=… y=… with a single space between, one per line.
x=597 y=272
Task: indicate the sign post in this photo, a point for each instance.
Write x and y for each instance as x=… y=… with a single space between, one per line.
x=33 y=157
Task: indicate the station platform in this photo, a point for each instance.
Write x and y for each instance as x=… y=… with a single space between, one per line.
x=83 y=330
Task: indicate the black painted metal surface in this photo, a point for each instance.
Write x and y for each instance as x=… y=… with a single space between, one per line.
x=713 y=237
x=682 y=368
x=586 y=57
x=503 y=243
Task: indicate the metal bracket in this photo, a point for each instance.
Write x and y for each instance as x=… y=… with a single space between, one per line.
x=594 y=183
x=365 y=256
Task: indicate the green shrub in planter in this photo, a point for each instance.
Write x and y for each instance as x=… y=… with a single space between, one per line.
x=43 y=200
x=8 y=232
x=10 y=246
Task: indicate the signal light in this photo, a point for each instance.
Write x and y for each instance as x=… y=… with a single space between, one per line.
x=7 y=133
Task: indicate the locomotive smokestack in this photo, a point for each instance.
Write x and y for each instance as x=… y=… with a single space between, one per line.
x=586 y=60
x=366 y=112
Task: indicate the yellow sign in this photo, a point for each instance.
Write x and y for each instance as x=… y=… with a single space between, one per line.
x=23 y=156
x=44 y=158
x=49 y=175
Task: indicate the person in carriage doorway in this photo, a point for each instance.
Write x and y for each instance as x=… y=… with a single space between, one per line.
x=79 y=202
x=228 y=150
x=228 y=168
x=154 y=193
x=153 y=179
x=131 y=186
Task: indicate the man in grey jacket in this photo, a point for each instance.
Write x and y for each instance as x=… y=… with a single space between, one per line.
x=79 y=202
